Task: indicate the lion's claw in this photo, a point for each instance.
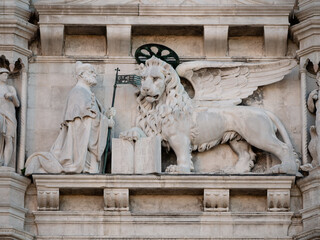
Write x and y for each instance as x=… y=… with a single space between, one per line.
x=134 y=134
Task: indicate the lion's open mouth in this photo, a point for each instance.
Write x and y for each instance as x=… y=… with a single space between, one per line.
x=152 y=96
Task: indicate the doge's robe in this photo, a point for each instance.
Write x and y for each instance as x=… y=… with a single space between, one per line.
x=81 y=141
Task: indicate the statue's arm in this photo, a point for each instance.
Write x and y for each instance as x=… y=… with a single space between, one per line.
x=12 y=96
x=312 y=98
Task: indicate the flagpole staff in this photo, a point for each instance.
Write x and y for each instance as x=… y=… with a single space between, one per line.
x=109 y=129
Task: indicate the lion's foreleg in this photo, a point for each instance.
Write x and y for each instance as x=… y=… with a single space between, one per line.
x=180 y=143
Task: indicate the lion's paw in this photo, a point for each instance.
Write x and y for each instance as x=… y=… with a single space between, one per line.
x=177 y=169
x=284 y=168
x=132 y=134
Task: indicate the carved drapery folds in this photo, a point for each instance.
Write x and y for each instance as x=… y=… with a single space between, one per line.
x=83 y=134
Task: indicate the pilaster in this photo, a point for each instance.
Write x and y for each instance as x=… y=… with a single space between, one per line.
x=12 y=209
x=310 y=189
x=15 y=30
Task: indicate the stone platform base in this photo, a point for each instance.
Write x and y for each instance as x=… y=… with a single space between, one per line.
x=163 y=206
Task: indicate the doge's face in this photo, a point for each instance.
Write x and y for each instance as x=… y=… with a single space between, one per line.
x=152 y=83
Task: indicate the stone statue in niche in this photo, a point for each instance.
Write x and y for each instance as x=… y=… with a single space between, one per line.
x=313 y=104
x=212 y=117
x=8 y=122
x=83 y=134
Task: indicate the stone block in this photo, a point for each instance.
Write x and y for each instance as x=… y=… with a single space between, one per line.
x=12 y=196
x=216 y=200
x=215 y=41
x=147 y=156
x=118 y=40
x=278 y=200
x=122 y=156
x=116 y=199
x=52 y=38
x=48 y=199
x=77 y=45
x=275 y=40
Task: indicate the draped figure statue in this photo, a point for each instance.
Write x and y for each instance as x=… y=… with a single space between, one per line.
x=83 y=134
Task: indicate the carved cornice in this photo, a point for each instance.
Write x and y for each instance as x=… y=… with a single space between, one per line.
x=165 y=10
x=14 y=48
x=18 y=27
x=308 y=9
x=164 y=181
x=306 y=235
x=12 y=233
x=64 y=9
x=305 y=29
x=165 y=2
x=14 y=11
x=311 y=181
x=141 y=14
x=214 y=10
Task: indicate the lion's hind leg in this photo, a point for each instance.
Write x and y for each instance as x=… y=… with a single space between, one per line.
x=270 y=143
x=245 y=154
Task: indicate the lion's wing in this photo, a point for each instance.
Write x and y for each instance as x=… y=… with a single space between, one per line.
x=229 y=83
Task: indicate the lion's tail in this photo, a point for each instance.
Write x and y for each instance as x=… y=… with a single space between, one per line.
x=283 y=132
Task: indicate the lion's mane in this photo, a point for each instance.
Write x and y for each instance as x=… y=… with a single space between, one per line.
x=175 y=102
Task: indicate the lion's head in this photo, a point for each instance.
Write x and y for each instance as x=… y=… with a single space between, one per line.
x=161 y=96
x=153 y=79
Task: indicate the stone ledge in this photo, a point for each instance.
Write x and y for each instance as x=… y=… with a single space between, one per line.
x=11 y=233
x=164 y=181
x=306 y=235
x=131 y=60
x=207 y=225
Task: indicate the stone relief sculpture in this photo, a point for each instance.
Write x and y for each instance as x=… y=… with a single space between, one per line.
x=212 y=117
x=313 y=104
x=8 y=123
x=83 y=134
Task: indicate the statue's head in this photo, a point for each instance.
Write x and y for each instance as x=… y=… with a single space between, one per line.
x=86 y=73
x=153 y=79
x=4 y=73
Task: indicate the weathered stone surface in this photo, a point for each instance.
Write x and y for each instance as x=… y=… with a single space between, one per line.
x=12 y=206
x=122 y=156
x=147 y=155
x=106 y=35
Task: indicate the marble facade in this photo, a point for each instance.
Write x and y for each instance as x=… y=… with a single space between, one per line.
x=40 y=43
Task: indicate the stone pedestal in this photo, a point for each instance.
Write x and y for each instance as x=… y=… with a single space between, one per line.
x=12 y=210
x=161 y=205
x=310 y=189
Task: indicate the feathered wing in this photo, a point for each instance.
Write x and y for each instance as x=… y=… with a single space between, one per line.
x=228 y=83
